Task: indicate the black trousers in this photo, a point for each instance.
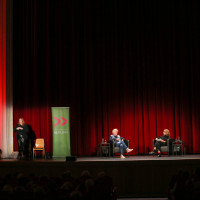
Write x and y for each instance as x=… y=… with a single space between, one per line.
x=158 y=145
x=21 y=144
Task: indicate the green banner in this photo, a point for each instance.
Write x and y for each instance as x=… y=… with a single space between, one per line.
x=61 y=131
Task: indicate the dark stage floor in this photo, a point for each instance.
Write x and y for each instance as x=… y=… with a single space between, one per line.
x=135 y=176
x=133 y=158
x=114 y=159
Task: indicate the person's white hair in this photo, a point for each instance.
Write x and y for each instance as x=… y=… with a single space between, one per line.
x=115 y=130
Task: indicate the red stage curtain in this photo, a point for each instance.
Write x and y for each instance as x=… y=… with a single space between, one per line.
x=131 y=65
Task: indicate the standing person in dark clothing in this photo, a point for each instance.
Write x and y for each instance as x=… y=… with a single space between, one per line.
x=161 y=141
x=22 y=136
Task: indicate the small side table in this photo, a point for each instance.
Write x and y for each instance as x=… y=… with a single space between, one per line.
x=105 y=149
x=178 y=146
x=98 y=150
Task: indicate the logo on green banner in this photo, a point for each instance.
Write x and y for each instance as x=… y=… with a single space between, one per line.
x=61 y=131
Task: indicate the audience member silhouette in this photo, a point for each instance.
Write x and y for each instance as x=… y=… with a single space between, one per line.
x=85 y=187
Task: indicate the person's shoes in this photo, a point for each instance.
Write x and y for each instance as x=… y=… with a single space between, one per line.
x=122 y=157
x=159 y=155
x=129 y=150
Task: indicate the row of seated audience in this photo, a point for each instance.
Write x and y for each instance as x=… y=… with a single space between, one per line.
x=86 y=187
x=185 y=185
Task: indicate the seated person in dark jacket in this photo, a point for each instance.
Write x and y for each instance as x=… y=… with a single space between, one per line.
x=119 y=142
x=161 y=141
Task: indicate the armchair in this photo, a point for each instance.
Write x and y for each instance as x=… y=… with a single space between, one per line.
x=114 y=149
x=167 y=148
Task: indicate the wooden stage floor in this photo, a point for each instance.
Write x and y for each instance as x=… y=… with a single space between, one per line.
x=135 y=176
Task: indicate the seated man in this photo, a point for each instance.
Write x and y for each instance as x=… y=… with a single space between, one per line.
x=119 y=142
x=161 y=141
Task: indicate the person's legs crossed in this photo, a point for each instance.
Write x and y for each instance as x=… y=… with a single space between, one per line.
x=124 y=145
x=120 y=145
x=158 y=147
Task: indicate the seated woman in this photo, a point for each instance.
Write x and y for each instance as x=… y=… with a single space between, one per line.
x=161 y=141
x=119 y=142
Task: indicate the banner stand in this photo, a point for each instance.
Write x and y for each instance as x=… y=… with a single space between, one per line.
x=61 y=131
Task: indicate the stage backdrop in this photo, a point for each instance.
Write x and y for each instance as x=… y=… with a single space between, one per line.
x=130 y=65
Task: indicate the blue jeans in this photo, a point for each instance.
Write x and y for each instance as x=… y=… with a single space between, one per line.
x=121 y=145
